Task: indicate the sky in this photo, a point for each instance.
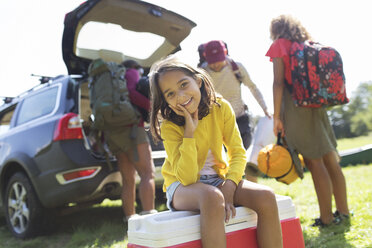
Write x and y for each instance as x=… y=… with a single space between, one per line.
x=32 y=35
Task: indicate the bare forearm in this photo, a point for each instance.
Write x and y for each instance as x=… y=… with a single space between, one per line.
x=277 y=96
x=278 y=85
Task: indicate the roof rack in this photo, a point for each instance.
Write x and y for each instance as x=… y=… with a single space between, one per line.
x=42 y=79
x=7 y=99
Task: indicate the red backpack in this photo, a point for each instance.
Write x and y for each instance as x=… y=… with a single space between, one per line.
x=317 y=75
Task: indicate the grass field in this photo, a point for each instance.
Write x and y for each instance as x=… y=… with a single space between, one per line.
x=344 y=144
x=358 y=233
x=102 y=226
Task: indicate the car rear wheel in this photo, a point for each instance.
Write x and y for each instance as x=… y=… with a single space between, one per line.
x=23 y=211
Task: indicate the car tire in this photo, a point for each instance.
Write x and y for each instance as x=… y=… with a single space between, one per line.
x=23 y=211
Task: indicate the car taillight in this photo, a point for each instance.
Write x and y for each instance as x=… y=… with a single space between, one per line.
x=78 y=174
x=71 y=176
x=68 y=127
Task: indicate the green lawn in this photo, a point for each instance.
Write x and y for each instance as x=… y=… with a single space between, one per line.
x=344 y=144
x=358 y=233
x=102 y=226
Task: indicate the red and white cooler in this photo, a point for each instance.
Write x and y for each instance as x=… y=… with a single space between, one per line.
x=181 y=229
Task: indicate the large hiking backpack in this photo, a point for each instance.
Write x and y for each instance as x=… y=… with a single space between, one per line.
x=317 y=75
x=109 y=97
x=110 y=103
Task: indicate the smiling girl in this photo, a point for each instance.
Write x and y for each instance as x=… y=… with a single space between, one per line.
x=198 y=173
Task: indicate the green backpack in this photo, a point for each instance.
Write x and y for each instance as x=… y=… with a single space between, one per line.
x=109 y=98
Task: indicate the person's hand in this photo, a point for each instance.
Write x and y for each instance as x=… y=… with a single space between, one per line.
x=278 y=127
x=191 y=120
x=228 y=190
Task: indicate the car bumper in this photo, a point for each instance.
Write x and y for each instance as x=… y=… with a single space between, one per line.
x=68 y=156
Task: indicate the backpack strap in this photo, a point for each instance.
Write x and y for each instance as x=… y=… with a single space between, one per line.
x=98 y=137
x=279 y=139
x=116 y=73
x=238 y=75
x=236 y=70
x=294 y=155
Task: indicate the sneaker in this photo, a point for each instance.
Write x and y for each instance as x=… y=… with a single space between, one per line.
x=342 y=218
x=337 y=214
x=319 y=223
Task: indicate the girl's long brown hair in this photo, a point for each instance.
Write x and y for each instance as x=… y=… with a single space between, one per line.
x=159 y=107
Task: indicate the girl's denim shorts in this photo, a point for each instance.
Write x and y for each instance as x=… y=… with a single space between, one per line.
x=213 y=180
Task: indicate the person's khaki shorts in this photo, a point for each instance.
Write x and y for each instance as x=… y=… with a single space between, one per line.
x=120 y=140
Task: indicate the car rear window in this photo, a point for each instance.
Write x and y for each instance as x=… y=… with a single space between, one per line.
x=38 y=105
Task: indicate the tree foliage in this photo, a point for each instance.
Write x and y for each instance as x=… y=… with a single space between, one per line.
x=355 y=118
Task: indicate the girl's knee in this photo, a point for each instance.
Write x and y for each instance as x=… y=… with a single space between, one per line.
x=212 y=198
x=269 y=194
x=266 y=200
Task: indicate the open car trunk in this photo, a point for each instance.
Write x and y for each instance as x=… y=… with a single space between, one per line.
x=117 y=30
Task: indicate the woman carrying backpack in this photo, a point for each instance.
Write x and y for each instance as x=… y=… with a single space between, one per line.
x=144 y=166
x=308 y=130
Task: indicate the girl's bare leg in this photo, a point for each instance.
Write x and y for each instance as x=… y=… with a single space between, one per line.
x=338 y=181
x=261 y=199
x=209 y=200
x=323 y=188
x=128 y=175
x=146 y=171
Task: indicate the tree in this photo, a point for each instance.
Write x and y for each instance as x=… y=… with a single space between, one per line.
x=340 y=119
x=355 y=118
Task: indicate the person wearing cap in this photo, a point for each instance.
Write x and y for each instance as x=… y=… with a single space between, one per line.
x=227 y=81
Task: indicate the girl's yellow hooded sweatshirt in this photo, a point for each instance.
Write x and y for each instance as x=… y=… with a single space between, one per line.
x=187 y=156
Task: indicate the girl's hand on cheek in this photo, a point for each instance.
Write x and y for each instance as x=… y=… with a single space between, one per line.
x=191 y=121
x=177 y=110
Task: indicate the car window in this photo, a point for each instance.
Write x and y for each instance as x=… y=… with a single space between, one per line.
x=5 y=119
x=38 y=105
